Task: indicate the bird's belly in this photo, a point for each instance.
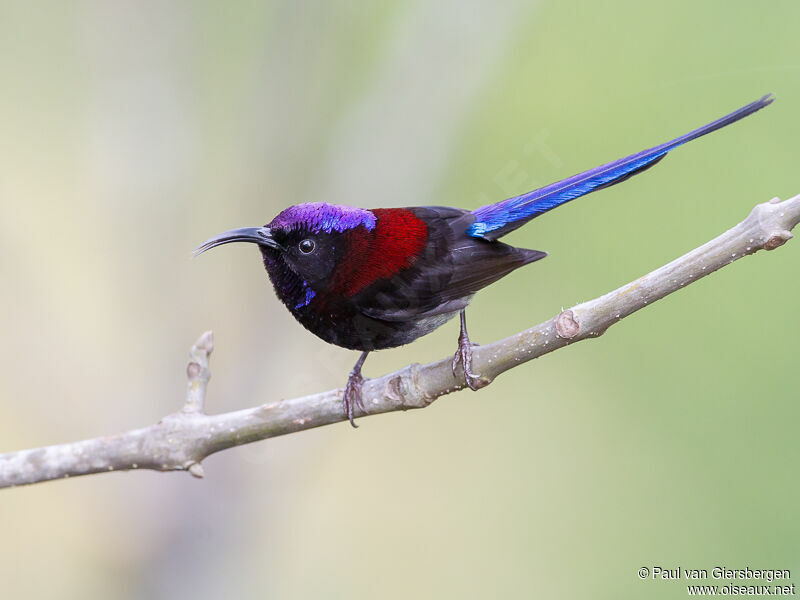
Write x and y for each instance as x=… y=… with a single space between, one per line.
x=360 y=332
x=416 y=329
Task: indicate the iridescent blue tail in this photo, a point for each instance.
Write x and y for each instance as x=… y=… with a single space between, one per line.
x=496 y=220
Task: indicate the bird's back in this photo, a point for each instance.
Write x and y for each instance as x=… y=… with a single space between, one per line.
x=439 y=281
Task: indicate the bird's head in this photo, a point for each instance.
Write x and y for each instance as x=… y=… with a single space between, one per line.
x=302 y=246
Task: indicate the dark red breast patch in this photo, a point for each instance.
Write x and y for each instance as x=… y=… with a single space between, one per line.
x=396 y=241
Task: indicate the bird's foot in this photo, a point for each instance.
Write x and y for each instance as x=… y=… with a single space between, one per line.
x=351 y=398
x=464 y=356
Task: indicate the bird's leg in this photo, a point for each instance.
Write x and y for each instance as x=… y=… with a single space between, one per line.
x=464 y=355
x=352 y=391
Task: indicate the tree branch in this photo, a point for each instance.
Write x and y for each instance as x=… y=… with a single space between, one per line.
x=180 y=441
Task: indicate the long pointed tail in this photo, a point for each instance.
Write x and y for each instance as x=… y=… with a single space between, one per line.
x=496 y=220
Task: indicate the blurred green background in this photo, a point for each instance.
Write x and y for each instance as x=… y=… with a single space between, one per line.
x=132 y=131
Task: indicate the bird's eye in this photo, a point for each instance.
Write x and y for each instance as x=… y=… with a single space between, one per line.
x=307 y=246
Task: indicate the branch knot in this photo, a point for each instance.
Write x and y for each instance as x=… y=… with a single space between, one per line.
x=566 y=325
x=777 y=240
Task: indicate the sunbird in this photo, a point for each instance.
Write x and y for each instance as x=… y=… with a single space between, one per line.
x=370 y=279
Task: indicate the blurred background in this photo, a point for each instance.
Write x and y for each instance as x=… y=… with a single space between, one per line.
x=132 y=131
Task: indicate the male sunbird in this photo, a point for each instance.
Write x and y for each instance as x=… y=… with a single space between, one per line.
x=369 y=279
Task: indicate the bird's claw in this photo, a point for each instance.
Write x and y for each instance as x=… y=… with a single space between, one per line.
x=352 y=398
x=463 y=355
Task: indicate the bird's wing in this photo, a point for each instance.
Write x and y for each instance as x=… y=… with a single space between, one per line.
x=437 y=292
x=496 y=220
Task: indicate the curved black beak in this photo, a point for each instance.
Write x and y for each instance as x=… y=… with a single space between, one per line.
x=255 y=235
